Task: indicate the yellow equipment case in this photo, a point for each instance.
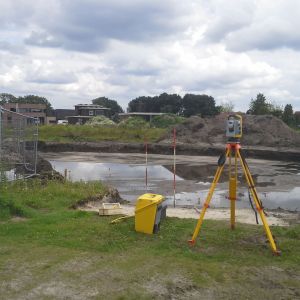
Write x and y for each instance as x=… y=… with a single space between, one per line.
x=150 y=209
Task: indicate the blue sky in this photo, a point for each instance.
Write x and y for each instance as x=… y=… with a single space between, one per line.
x=72 y=51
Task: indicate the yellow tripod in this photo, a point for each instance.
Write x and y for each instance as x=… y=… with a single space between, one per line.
x=233 y=152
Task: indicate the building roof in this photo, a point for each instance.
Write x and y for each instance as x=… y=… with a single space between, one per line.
x=91 y=106
x=61 y=114
x=142 y=114
x=82 y=117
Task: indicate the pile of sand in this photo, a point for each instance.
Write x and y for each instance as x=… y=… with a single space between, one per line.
x=262 y=130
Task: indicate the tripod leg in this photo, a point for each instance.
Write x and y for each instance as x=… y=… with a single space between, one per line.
x=258 y=205
x=209 y=196
x=232 y=188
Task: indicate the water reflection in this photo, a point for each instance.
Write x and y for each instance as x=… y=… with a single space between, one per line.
x=105 y=171
x=193 y=182
x=272 y=200
x=194 y=172
x=203 y=173
x=289 y=168
x=283 y=199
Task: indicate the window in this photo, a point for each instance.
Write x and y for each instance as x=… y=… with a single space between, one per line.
x=36 y=110
x=23 y=110
x=91 y=112
x=12 y=109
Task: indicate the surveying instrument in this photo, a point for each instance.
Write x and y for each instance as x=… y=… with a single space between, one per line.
x=233 y=153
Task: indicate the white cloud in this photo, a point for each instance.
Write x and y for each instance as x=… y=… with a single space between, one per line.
x=70 y=52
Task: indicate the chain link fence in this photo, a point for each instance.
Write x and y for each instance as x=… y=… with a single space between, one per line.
x=18 y=145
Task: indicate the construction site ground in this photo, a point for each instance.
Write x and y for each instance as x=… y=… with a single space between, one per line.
x=58 y=252
x=195 y=172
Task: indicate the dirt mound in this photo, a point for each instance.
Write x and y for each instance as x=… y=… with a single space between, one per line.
x=262 y=130
x=111 y=196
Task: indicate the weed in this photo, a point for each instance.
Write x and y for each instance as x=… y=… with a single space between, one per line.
x=71 y=133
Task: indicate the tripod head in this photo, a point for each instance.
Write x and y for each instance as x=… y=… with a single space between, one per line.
x=234 y=128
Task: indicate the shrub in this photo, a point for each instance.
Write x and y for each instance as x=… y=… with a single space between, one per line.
x=100 y=121
x=9 y=208
x=165 y=121
x=134 y=122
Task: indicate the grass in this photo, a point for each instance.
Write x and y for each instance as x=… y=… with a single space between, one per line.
x=57 y=252
x=31 y=197
x=77 y=133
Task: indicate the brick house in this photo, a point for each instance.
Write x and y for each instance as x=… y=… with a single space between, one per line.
x=84 y=112
x=31 y=110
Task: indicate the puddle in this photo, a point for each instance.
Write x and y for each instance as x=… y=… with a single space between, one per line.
x=278 y=185
x=116 y=171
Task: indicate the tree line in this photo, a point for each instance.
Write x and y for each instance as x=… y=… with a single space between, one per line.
x=186 y=106
x=261 y=106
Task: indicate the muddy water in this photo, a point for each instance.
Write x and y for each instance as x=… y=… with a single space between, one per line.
x=278 y=183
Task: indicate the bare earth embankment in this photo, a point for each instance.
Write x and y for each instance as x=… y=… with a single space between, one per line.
x=264 y=137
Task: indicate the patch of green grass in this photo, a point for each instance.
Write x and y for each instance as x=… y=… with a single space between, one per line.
x=31 y=197
x=61 y=252
x=77 y=133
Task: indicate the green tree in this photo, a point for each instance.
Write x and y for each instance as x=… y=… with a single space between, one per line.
x=5 y=98
x=259 y=106
x=168 y=103
x=165 y=103
x=203 y=105
x=288 y=115
x=115 y=108
x=172 y=103
x=142 y=104
x=276 y=110
x=227 y=107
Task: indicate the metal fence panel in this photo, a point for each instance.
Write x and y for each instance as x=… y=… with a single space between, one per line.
x=18 y=145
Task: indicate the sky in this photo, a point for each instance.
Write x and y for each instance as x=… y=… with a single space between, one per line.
x=72 y=51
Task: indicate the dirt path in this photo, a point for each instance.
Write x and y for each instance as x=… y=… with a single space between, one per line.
x=245 y=216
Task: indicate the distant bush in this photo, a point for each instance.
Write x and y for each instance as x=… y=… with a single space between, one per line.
x=100 y=121
x=165 y=121
x=134 y=122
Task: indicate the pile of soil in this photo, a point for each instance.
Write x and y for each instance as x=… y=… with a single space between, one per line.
x=111 y=196
x=263 y=130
